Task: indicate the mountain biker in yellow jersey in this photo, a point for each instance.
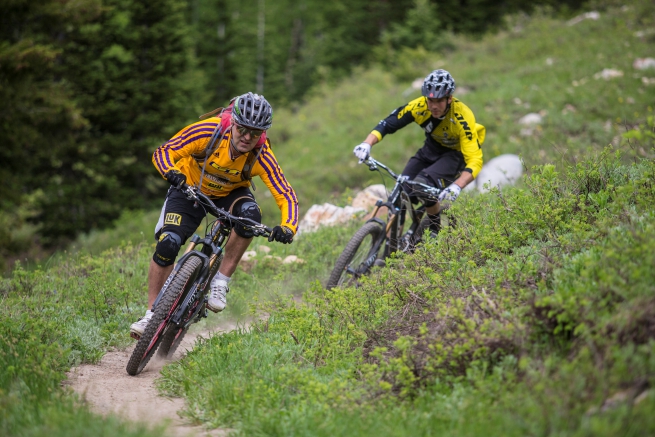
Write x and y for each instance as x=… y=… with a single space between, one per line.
x=451 y=155
x=222 y=169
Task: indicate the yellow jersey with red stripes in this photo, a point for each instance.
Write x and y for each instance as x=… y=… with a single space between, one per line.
x=456 y=130
x=222 y=172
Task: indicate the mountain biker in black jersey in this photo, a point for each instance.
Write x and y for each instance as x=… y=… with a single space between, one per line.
x=219 y=155
x=451 y=155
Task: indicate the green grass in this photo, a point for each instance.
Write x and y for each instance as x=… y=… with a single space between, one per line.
x=54 y=318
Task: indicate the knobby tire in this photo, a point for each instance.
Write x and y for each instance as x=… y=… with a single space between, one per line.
x=173 y=337
x=170 y=341
x=152 y=336
x=356 y=252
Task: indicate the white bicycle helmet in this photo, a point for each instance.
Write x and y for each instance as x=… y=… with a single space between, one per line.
x=253 y=111
x=438 y=84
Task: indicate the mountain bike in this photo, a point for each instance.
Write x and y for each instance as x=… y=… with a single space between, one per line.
x=378 y=239
x=183 y=298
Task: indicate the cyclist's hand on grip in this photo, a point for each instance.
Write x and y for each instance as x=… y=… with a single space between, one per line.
x=281 y=234
x=362 y=151
x=175 y=178
x=450 y=194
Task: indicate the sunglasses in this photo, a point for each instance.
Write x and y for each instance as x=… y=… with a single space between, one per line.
x=254 y=133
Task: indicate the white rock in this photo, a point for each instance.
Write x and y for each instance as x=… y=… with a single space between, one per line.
x=366 y=198
x=568 y=108
x=643 y=63
x=527 y=132
x=608 y=73
x=264 y=249
x=531 y=119
x=643 y=33
x=500 y=171
x=593 y=15
x=327 y=215
x=292 y=259
x=248 y=255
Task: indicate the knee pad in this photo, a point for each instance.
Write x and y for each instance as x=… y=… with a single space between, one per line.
x=167 y=249
x=246 y=208
x=425 y=180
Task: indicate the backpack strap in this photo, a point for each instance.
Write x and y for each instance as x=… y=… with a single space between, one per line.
x=246 y=173
x=253 y=155
x=211 y=144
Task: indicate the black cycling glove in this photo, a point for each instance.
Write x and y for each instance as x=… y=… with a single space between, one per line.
x=281 y=234
x=175 y=178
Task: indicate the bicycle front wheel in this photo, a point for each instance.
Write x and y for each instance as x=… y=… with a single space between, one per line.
x=173 y=336
x=358 y=256
x=153 y=334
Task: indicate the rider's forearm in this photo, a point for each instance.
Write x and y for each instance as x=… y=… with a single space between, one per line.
x=464 y=179
x=371 y=139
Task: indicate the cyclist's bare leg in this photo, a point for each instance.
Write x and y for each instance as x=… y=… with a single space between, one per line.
x=157 y=275
x=234 y=250
x=434 y=217
x=434 y=209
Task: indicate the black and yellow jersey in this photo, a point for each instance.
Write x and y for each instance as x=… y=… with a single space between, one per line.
x=456 y=130
x=222 y=174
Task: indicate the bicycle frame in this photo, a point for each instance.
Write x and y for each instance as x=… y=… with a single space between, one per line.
x=212 y=249
x=363 y=250
x=398 y=204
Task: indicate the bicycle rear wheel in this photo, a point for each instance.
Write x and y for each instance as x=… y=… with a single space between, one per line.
x=173 y=295
x=358 y=256
x=170 y=342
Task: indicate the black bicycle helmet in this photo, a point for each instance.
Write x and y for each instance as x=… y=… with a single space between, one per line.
x=438 y=84
x=253 y=111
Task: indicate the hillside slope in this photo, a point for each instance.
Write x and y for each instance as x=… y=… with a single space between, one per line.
x=541 y=65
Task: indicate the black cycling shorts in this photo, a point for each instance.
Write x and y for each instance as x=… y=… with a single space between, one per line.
x=178 y=214
x=440 y=170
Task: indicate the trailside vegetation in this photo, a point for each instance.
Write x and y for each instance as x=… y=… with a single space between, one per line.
x=534 y=315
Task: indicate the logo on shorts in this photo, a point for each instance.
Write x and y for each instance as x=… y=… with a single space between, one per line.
x=173 y=219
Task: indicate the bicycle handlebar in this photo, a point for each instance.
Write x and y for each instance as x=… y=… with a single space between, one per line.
x=375 y=165
x=192 y=192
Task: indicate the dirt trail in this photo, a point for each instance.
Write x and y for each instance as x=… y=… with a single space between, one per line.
x=108 y=389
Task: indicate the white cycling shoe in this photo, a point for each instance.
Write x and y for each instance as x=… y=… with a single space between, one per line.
x=138 y=328
x=217 y=295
